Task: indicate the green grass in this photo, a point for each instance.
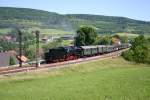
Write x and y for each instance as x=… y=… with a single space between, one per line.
x=50 y=31
x=42 y=31
x=4 y=31
x=114 y=79
x=129 y=35
x=67 y=42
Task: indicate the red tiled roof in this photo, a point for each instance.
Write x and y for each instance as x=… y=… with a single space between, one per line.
x=22 y=58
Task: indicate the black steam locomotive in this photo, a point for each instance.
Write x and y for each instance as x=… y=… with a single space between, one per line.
x=72 y=52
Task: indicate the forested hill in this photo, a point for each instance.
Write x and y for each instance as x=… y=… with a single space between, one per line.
x=28 y=18
x=110 y=24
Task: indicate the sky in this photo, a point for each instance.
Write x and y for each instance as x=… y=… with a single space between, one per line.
x=135 y=9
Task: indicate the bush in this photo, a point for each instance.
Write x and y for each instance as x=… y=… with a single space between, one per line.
x=12 y=61
x=128 y=55
x=139 y=52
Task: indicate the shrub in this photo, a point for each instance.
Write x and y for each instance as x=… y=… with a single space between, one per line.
x=12 y=61
x=139 y=52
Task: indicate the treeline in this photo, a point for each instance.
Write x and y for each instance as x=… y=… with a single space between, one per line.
x=9 y=18
x=87 y=35
x=140 y=50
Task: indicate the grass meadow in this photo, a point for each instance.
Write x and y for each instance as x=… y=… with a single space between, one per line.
x=111 y=79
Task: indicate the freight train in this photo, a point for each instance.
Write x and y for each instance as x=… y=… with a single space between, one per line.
x=61 y=54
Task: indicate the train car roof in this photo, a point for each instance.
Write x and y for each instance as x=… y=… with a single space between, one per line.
x=110 y=45
x=88 y=47
x=105 y=45
x=101 y=45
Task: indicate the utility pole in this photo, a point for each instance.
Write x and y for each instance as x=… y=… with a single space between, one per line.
x=20 y=47
x=37 y=33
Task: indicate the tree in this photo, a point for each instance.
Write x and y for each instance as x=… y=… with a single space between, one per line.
x=148 y=39
x=139 y=51
x=139 y=41
x=85 y=36
x=30 y=52
x=12 y=61
x=116 y=36
x=124 y=39
x=105 y=40
x=6 y=46
x=54 y=44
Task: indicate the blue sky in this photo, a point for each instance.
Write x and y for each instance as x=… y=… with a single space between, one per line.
x=135 y=9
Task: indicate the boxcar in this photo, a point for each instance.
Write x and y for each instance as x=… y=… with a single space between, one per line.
x=110 y=48
x=94 y=50
x=104 y=49
x=100 y=49
x=89 y=50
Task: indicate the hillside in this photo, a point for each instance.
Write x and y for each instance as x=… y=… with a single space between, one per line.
x=31 y=18
x=28 y=18
x=110 y=24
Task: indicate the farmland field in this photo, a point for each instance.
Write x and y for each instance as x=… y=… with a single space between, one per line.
x=50 y=31
x=4 y=30
x=113 y=79
x=131 y=35
x=42 y=31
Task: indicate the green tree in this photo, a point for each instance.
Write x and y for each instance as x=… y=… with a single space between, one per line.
x=54 y=44
x=86 y=36
x=148 y=39
x=12 y=61
x=124 y=39
x=105 y=40
x=6 y=46
x=148 y=54
x=116 y=36
x=140 y=50
x=139 y=41
x=30 y=52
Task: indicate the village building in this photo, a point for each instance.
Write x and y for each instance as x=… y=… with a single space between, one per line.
x=5 y=58
x=8 y=38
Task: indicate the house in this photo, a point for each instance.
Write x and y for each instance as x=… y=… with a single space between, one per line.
x=5 y=58
x=116 y=40
x=47 y=39
x=22 y=58
x=8 y=38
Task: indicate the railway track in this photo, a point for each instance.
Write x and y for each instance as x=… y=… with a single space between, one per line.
x=15 y=70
